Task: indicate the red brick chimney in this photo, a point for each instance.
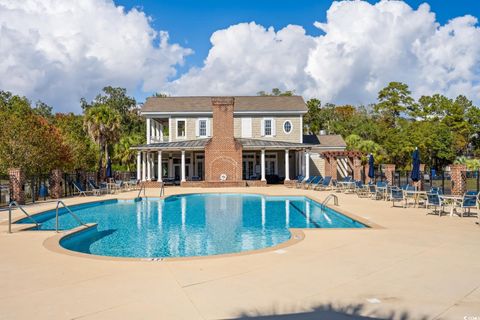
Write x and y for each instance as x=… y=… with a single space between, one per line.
x=223 y=154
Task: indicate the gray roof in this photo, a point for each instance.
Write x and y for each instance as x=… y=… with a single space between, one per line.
x=200 y=144
x=242 y=103
x=325 y=141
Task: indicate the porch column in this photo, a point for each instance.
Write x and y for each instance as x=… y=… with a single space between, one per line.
x=149 y=166
x=144 y=166
x=183 y=166
x=159 y=166
x=170 y=166
x=149 y=130
x=307 y=165
x=263 y=165
x=287 y=165
x=139 y=165
x=161 y=132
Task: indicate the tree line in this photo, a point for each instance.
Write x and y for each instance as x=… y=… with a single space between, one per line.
x=38 y=140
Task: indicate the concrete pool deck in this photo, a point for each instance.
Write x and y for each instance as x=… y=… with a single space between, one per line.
x=415 y=267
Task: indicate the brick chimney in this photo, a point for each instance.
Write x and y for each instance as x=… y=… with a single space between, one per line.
x=223 y=154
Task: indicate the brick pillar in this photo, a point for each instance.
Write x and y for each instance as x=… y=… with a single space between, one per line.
x=333 y=168
x=365 y=172
x=327 y=166
x=459 y=185
x=357 y=169
x=17 y=185
x=56 y=184
x=389 y=171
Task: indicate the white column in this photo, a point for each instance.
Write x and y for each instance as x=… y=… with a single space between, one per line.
x=160 y=166
x=149 y=166
x=161 y=132
x=263 y=165
x=139 y=165
x=287 y=165
x=149 y=130
x=170 y=166
x=307 y=165
x=183 y=166
x=144 y=166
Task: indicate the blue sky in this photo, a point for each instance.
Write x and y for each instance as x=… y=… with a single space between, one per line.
x=191 y=22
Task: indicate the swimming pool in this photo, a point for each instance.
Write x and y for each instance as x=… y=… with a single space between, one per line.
x=190 y=225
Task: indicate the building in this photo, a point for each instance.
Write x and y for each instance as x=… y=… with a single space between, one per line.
x=234 y=141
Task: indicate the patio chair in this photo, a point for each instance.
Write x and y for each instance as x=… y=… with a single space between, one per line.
x=312 y=182
x=80 y=189
x=469 y=201
x=372 y=190
x=304 y=181
x=434 y=200
x=380 y=190
x=299 y=180
x=325 y=184
x=361 y=189
x=95 y=188
x=396 y=195
x=436 y=190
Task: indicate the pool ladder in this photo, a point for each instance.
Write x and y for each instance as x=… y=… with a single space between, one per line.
x=142 y=187
x=330 y=196
x=14 y=203
x=59 y=202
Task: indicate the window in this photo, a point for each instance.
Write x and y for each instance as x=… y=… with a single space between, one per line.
x=202 y=128
x=267 y=127
x=287 y=126
x=180 y=128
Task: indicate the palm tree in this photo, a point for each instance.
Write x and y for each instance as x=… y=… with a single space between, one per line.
x=103 y=125
x=123 y=153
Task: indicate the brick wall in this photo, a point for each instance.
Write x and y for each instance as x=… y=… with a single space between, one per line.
x=223 y=154
x=459 y=185
x=17 y=185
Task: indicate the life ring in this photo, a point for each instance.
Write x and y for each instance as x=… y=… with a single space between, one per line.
x=223 y=177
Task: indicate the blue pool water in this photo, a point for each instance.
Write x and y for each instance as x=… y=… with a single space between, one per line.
x=191 y=225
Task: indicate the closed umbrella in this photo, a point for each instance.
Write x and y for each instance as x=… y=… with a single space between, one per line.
x=109 y=168
x=371 y=167
x=415 y=175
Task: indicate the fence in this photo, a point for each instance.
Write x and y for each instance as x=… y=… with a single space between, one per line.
x=4 y=190
x=437 y=179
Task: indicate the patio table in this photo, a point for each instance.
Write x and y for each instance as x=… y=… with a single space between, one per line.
x=452 y=201
x=416 y=195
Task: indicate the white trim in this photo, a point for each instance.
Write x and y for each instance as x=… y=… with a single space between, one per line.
x=269 y=112
x=301 y=129
x=246 y=123
x=291 y=126
x=170 y=130
x=272 y=125
x=176 y=128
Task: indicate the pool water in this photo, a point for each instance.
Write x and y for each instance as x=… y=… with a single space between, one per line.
x=190 y=225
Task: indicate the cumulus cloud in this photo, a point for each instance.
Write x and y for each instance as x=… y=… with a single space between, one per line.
x=59 y=51
x=361 y=49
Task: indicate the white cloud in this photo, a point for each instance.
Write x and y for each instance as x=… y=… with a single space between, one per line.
x=363 y=47
x=59 y=51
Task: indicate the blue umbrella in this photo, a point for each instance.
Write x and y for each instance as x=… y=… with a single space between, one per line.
x=415 y=175
x=109 y=168
x=371 y=167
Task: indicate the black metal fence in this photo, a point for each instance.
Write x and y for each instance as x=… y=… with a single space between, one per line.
x=4 y=190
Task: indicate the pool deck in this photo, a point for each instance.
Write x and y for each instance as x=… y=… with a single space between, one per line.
x=414 y=267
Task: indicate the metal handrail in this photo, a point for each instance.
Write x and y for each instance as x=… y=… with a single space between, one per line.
x=69 y=211
x=162 y=189
x=14 y=203
x=330 y=196
x=142 y=187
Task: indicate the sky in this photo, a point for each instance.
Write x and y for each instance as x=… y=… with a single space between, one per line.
x=58 y=51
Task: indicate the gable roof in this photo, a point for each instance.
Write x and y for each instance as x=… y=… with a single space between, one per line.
x=325 y=141
x=242 y=103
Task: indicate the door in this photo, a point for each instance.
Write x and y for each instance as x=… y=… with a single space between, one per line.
x=248 y=169
x=176 y=171
x=200 y=168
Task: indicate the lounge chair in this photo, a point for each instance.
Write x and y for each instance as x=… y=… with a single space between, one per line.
x=361 y=189
x=396 y=195
x=380 y=190
x=80 y=189
x=298 y=181
x=95 y=188
x=434 y=200
x=324 y=185
x=303 y=182
x=312 y=182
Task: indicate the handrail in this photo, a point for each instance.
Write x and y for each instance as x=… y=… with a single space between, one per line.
x=330 y=196
x=12 y=203
x=142 y=187
x=162 y=189
x=69 y=211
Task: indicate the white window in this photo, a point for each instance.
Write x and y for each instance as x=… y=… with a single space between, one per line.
x=202 y=127
x=287 y=127
x=246 y=127
x=268 y=127
x=181 y=128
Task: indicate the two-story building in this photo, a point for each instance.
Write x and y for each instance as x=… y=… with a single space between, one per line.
x=229 y=140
